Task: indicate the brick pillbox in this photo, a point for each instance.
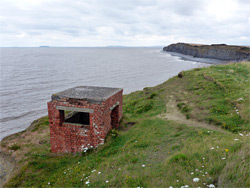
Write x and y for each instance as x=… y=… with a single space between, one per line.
x=81 y=117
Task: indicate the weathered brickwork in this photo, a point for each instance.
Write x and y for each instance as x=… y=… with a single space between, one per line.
x=68 y=137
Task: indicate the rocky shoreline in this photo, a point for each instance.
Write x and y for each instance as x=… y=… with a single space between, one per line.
x=196 y=59
x=215 y=51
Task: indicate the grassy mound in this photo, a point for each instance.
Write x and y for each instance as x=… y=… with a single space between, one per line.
x=148 y=151
x=219 y=95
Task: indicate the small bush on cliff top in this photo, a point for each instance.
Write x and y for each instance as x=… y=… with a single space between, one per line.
x=14 y=147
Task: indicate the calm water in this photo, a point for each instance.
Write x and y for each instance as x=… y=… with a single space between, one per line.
x=30 y=75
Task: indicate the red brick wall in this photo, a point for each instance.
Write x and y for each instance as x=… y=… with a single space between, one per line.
x=65 y=137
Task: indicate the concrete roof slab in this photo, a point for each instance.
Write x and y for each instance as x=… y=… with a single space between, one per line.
x=89 y=93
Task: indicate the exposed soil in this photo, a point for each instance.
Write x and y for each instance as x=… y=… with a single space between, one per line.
x=7 y=166
x=9 y=158
x=127 y=126
x=174 y=114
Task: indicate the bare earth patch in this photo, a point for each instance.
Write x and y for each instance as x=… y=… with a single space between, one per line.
x=174 y=114
x=7 y=166
x=11 y=160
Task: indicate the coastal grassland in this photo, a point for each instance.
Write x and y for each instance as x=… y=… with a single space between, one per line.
x=218 y=95
x=149 y=151
x=223 y=95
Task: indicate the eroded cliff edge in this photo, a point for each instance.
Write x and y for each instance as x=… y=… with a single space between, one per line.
x=214 y=51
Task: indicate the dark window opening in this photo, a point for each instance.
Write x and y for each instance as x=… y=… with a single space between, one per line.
x=61 y=116
x=115 y=117
x=78 y=117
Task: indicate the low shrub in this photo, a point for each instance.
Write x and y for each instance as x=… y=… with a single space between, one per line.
x=14 y=147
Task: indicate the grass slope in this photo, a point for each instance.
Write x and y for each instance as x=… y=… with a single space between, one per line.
x=148 y=151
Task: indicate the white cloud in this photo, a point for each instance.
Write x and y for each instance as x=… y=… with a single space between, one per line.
x=124 y=22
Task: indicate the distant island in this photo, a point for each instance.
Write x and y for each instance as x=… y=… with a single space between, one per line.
x=214 y=51
x=44 y=46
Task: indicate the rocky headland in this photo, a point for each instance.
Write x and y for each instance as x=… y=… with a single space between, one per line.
x=215 y=51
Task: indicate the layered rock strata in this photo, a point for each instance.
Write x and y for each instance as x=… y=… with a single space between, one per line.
x=214 y=51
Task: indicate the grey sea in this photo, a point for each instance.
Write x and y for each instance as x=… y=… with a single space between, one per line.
x=30 y=75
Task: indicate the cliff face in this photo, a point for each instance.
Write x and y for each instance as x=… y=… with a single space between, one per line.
x=214 y=51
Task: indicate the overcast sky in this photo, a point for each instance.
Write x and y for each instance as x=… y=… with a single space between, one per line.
x=123 y=22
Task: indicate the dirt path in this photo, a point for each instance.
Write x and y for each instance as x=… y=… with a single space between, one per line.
x=174 y=114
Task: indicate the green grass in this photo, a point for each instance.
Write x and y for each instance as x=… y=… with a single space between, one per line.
x=144 y=103
x=169 y=151
x=218 y=91
x=39 y=124
x=151 y=152
x=217 y=94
